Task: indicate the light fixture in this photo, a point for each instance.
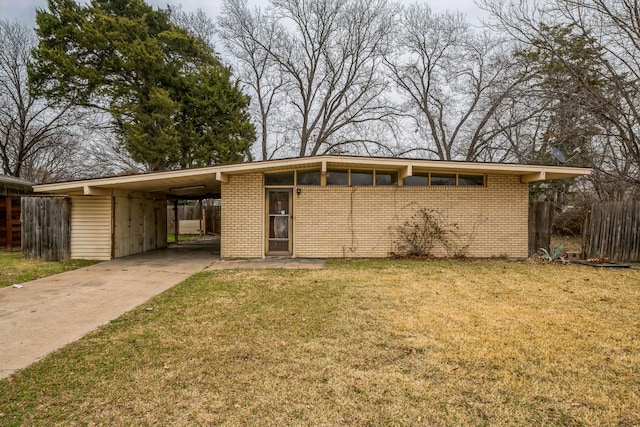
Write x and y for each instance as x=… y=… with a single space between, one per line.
x=191 y=187
x=298 y=191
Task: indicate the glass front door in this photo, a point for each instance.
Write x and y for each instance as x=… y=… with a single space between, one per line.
x=279 y=221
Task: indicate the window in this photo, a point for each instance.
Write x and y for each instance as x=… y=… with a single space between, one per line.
x=386 y=178
x=361 y=178
x=309 y=177
x=452 y=179
x=280 y=178
x=338 y=177
x=470 y=180
x=443 y=179
x=418 y=179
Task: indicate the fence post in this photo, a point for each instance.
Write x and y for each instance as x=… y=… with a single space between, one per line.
x=540 y=226
x=586 y=235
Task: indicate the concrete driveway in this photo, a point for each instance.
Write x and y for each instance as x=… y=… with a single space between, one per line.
x=48 y=313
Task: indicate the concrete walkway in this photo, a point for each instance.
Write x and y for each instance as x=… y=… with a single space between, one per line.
x=48 y=313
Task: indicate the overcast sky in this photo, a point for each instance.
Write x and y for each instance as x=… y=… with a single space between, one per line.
x=24 y=10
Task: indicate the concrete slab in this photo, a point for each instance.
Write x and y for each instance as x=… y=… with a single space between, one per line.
x=48 y=313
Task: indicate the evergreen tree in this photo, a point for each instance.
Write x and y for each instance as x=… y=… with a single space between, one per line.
x=173 y=104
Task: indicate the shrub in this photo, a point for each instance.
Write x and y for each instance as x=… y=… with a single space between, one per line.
x=417 y=236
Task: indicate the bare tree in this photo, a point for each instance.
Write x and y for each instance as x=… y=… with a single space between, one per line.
x=454 y=79
x=328 y=56
x=37 y=138
x=607 y=35
x=197 y=23
x=249 y=36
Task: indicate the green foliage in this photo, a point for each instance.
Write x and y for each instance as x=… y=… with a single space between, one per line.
x=172 y=102
x=567 y=71
x=553 y=255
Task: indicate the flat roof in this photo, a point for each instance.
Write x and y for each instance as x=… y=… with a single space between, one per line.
x=200 y=182
x=13 y=183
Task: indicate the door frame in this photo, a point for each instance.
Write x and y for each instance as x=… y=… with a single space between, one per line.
x=289 y=251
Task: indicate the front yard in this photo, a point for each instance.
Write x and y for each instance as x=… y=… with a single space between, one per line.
x=14 y=270
x=358 y=343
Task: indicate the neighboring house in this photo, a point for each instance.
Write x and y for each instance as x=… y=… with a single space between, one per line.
x=10 y=190
x=325 y=206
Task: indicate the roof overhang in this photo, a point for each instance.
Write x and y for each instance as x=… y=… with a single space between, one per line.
x=10 y=183
x=206 y=181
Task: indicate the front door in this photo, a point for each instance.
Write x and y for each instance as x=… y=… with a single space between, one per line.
x=279 y=221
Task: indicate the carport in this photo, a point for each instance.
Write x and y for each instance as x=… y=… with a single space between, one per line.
x=124 y=215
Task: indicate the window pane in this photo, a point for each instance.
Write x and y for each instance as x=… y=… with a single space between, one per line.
x=279 y=202
x=278 y=227
x=278 y=245
x=361 y=178
x=443 y=179
x=470 y=179
x=337 y=178
x=280 y=178
x=386 y=178
x=417 y=179
x=309 y=177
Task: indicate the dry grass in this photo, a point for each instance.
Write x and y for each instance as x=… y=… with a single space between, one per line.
x=359 y=343
x=14 y=270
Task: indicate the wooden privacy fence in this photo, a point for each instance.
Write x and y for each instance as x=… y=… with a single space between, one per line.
x=185 y=213
x=46 y=232
x=540 y=226
x=210 y=217
x=613 y=231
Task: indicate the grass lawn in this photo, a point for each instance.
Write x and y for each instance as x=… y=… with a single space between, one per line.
x=14 y=270
x=358 y=343
x=171 y=238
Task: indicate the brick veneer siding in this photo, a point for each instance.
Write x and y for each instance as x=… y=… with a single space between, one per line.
x=242 y=217
x=336 y=221
x=360 y=221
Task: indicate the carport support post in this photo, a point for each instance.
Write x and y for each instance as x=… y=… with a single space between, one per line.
x=176 y=227
x=9 y=225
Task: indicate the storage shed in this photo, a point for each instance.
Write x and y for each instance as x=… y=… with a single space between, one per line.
x=324 y=206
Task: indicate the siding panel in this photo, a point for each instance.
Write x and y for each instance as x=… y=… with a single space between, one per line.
x=91 y=227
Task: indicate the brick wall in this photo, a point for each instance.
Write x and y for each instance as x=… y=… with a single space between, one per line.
x=242 y=217
x=361 y=221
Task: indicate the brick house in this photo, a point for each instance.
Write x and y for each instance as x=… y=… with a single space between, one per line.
x=324 y=206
